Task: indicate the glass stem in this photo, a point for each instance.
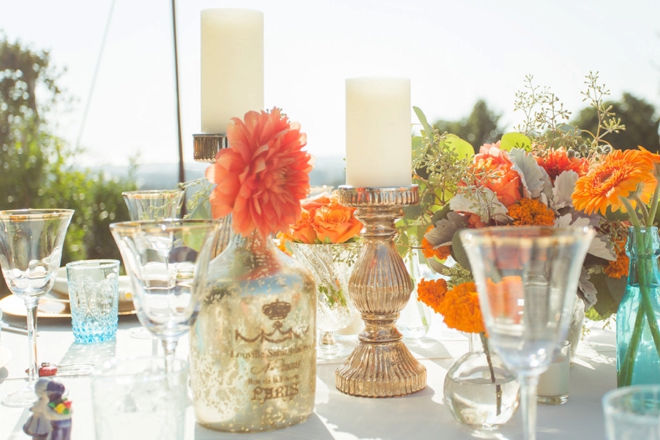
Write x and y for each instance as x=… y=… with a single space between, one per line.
x=528 y=386
x=33 y=369
x=169 y=346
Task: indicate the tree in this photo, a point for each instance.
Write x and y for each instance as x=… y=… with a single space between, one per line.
x=479 y=128
x=37 y=168
x=640 y=118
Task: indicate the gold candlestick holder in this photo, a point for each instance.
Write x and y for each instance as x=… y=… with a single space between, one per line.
x=207 y=145
x=380 y=286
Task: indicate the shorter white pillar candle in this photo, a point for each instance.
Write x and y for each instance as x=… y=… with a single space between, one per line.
x=553 y=383
x=378 y=135
x=232 y=57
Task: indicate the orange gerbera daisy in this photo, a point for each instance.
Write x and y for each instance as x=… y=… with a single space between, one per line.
x=620 y=174
x=531 y=212
x=263 y=175
x=557 y=161
x=460 y=308
x=432 y=293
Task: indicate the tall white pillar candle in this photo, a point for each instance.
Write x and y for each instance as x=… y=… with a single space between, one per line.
x=378 y=138
x=232 y=57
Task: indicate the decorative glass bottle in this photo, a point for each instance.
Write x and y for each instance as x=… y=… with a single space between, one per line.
x=416 y=317
x=252 y=349
x=480 y=391
x=638 y=316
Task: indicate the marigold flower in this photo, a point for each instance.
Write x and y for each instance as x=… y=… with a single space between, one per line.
x=618 y=175
x=441 y=252
x=460 y=308
x=556 y=161
x=619 y=267
x=432 y=293
x=263 y=175
x=531 y=212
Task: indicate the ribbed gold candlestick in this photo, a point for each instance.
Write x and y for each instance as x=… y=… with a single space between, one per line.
x=380 y=286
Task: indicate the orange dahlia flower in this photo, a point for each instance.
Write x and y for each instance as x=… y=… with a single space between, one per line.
x=500 y=177
x=619 y=175
x=263 y=175
x=531 y=212
x=557 y=161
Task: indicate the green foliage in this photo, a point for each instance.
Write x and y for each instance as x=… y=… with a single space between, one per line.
x=515 y=140
x=38 y=167
x=640 y=117
x=439 y=162
x=480 y=127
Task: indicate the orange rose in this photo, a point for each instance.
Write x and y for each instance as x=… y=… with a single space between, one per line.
x=335 y=223
x=504 y=297
x=303 y=231
x=498 y=174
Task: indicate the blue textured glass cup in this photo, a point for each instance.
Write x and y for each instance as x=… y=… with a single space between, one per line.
x=94 y=299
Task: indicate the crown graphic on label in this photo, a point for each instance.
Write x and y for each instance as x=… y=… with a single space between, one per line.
x=276 y=310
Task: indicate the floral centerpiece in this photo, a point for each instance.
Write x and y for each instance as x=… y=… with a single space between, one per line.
x=254 y=338
x=325 y=239
x=529 y=178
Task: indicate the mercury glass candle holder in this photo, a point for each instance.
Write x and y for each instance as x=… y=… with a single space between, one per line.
x=380 y=286
x=207 y=145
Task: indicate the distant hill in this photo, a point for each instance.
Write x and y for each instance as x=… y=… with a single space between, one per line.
x=327 y=171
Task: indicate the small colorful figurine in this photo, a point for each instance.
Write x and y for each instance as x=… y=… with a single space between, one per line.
x=51 y=414
x=37 y=425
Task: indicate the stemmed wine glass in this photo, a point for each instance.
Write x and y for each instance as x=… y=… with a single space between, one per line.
x=30 y=253
x=527 y=278
x=152 y=204
x=167 y=261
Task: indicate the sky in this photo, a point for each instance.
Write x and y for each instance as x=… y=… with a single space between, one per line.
x=454 y=52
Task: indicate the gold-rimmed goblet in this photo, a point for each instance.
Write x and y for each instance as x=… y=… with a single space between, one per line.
x=527 y=277
x=167 y=261
x=30 y=253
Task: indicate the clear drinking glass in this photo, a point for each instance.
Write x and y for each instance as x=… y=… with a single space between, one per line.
x=167 y=262
x=633 y=413
x=527 y=278
x=30 y=252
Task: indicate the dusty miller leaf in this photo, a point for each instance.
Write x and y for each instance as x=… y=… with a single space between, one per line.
x=563 y=189
x=531 y=174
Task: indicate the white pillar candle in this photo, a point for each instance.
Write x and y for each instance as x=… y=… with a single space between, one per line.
x=232 y=56
x=378 y=138
x=553 y=383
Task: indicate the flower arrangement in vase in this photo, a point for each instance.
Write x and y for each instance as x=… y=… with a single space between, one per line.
x=252 y=350
x=479 y=390
x=325 y=240
x=529 y=178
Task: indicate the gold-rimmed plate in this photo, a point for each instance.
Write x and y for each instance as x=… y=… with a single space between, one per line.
x=51 y=307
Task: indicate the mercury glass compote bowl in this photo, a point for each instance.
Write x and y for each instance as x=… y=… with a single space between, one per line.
x=167 y=261
x=30 y=252
x=527 y=278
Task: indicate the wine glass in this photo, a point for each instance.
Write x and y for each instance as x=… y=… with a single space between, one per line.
x=167 y=261
x=152 y=204
x=30 y=253
x=527 y=278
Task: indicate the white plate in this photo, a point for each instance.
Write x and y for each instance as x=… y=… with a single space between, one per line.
x=51 y=307
x=5 y=356
x=61 y=287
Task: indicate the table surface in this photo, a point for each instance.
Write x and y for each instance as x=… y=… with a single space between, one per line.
x=337 y=416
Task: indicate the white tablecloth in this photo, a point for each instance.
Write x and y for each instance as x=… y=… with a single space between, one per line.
x=337 y=416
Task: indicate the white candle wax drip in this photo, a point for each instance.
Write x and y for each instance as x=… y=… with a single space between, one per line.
x=378 y=138
x=232 y=65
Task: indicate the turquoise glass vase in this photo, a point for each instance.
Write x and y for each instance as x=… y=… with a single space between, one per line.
x=638 y=316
